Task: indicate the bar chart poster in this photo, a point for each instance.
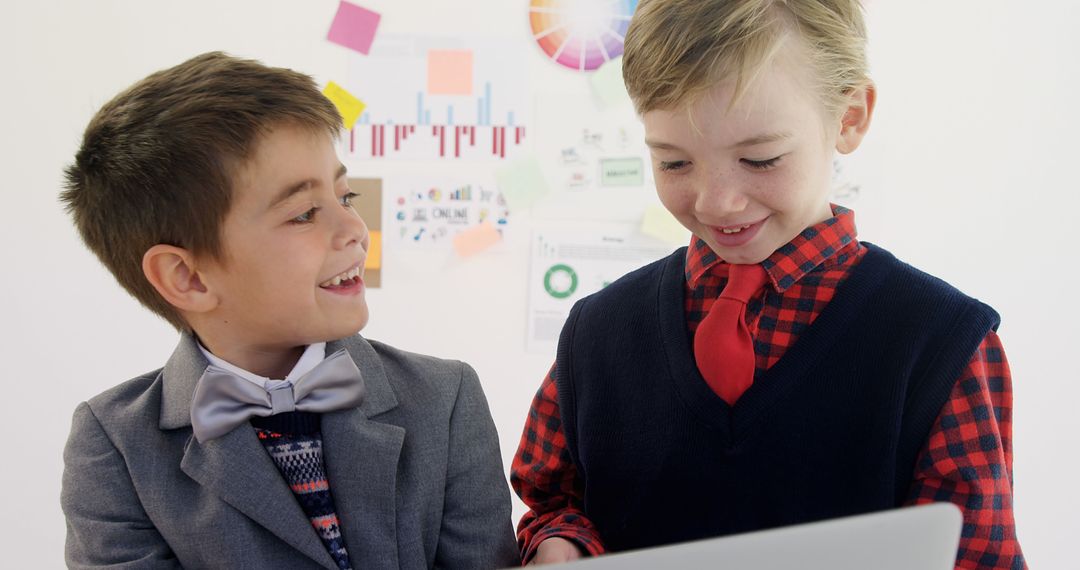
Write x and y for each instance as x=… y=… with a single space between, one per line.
x=580 y=34
x=440 y=99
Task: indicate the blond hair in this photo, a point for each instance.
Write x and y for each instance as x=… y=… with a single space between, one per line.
x=676 y=50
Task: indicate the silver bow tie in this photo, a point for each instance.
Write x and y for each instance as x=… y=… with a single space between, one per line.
x=223 y=400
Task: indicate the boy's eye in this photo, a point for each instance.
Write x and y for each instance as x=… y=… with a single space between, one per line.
x=761 y=164
x=347 y=199
x=305 y=218
x=673 y=165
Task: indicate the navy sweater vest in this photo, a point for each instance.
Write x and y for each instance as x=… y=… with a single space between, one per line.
x=832 y=429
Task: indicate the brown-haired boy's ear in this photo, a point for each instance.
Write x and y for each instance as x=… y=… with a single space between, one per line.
x=171 y=270
x=855 y=120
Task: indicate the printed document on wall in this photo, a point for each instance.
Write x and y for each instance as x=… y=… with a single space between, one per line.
x=430 y=212
x=572 y=261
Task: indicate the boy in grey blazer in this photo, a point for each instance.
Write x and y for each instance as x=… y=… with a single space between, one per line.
x=275 y=436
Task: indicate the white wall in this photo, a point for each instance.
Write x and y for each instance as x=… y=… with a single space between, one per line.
x=967 y=173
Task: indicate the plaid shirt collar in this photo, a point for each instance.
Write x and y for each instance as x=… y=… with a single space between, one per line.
x=824 y=244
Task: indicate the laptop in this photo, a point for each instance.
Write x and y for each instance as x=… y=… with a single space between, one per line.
x=923 y=537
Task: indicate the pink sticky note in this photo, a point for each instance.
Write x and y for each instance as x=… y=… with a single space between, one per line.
x=476 y=239
x=354 y=27
x=449 y=72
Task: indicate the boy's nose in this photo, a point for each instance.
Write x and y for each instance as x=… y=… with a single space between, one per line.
x=720 y=199
x=351 y=230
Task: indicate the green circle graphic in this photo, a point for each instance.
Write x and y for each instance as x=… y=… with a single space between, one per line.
x=558 y=270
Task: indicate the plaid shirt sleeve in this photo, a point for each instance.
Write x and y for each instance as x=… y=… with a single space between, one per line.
x=545 y=478
x=968 y=461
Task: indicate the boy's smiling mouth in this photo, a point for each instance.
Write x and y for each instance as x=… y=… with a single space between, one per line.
x=345 y=279
x=734 y=230
x=736 y=235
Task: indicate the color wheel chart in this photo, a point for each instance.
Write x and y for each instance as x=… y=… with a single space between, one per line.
x=439 y=99
x=580 y=34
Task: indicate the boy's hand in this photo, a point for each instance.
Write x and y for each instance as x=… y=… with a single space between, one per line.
x=554 y=550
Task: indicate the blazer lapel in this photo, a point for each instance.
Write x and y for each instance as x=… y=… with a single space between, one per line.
x=235 y=467
x=361 y=456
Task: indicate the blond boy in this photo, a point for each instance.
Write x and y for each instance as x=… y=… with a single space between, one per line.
x=777 y=370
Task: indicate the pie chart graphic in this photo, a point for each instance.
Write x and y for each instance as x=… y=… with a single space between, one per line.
x=580 y=34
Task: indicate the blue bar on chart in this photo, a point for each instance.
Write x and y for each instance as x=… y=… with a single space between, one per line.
x=463 y=193
x=487 y=103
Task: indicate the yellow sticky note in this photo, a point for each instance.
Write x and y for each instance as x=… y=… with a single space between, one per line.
x=522 y=183
x=660 y=224
x=476 y=239
x=349 y=106
x=607 y=84
x=450 y=72
x=374 y=251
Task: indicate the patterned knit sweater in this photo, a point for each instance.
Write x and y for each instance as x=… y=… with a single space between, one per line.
x=294 y=442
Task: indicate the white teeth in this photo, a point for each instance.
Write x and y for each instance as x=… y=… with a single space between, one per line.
x=734 y=230
x=337 y=279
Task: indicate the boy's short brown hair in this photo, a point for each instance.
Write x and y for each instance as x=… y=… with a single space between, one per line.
x=158 y=163
x=675 y=50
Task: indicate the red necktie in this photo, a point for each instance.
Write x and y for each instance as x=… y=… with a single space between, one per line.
x=723 y=348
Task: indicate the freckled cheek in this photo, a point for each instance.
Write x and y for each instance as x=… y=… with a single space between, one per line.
x=677 y=196
x=780 y=189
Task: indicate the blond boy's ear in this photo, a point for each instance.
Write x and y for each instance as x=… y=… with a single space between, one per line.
x=171 y=270
x=855 y=120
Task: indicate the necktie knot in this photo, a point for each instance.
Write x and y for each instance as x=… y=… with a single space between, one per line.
x=744 y=282
x=282 y=398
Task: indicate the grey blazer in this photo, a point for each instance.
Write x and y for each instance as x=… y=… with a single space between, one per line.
x=415 y=473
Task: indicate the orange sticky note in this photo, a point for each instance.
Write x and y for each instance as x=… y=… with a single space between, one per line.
x=476 y=239
x=349 y=106
x=374 y=251
x=450 y=72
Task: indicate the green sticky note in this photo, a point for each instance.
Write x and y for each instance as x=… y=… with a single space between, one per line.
x=522 y=183
x=660 y=224
x=622 y=171
x=607 y=84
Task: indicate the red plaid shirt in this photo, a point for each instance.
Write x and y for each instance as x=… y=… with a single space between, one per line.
x=967 y=459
